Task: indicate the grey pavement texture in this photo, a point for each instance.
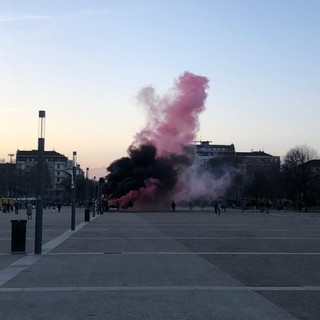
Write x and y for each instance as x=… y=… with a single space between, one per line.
x=164 y=265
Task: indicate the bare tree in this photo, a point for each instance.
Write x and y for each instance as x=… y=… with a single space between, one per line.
x=299 y=155
x=298 y=176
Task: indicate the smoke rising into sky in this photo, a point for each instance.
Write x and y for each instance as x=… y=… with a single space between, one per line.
x=159 y=166
x=173 y=119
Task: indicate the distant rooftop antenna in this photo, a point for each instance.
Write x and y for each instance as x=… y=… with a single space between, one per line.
x=11 y=156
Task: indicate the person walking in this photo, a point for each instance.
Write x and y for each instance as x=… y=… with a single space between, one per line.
x=173 y=206
x=216 y=208
x=29 y=210
x=16 y=207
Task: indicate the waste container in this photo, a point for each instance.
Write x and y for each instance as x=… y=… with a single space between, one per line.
x=18 y=235
x=86 y=215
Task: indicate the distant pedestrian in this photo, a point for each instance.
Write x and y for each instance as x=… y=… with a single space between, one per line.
x=267 y=206
x=216 y=208
x=118 y=206
x=244 y=205
x=16 y=207
x=173 y=206
x=59 y=207
x=29 y=210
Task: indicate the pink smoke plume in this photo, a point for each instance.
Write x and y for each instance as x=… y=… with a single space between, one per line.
x=173 y=120
x=159 y=163
x=148 y=192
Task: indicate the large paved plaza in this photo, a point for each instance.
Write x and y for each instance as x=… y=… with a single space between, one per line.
x=164 y=265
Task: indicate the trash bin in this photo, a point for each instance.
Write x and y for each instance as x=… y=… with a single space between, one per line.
x=18 y=236
x=86 y=215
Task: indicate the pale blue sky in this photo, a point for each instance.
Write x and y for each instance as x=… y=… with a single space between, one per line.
x=84 y=62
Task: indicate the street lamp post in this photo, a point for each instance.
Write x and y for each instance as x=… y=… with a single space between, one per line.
x=9 y=171
x=87 y=206
x=87 y=189
x=73 y=189
x=40 y=184
x=94 y=196
x=99 y=196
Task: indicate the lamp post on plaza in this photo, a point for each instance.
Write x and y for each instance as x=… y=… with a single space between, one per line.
x=87 y=206
x=40 y=183
x=9 y=188
x=73 y=190
x=87 y=189
x=94 y=196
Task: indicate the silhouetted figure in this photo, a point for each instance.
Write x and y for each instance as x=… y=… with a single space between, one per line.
x=59 y=207
x=173 y=206
x=29 y=210
x=118 y=206
x=244 y=205
x=216 y=207
x=267 y=206
x=16 y=208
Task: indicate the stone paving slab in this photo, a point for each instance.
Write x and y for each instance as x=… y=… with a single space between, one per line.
x=139 y=305
x=261 y=245
x=120 y=270
x=164 y=265
x=270 y=270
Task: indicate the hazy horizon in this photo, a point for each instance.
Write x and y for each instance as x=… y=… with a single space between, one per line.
x=85 y=62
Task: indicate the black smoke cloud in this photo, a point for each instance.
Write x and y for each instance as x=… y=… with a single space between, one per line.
x=144 y=176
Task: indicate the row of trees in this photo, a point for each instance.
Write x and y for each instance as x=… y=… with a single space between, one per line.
x=297 y=179
x=300 y=173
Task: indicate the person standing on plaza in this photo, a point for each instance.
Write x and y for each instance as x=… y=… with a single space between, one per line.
x=29 y=210
x=173 y=206
x=16 y=207
x=216 y=207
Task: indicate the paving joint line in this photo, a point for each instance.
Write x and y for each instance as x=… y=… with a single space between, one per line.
x=182 y=253
x=160 y=288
